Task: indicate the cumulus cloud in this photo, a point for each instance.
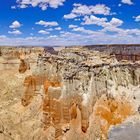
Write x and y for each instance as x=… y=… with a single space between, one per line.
x=137 y=18
x=88 y=20
x=83 y=30
x=88 y=15
x=15 y=32
x=74 y=38
x=72 y=26
x=43 y=4
x=58 y=28
x=46 y=24
x=15 y=24
x=43 y=32
x=86 y=10
x=116 y=22
x=103 y=22
x=82 y=10
x=107 y=26
x=129 y=2
x=70 y=16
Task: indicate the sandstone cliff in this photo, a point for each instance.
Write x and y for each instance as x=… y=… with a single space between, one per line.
x=76 y=93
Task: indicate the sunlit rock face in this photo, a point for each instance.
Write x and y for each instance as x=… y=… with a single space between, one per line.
x=74 y=93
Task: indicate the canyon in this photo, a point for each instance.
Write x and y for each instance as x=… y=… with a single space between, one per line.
x=69 y=93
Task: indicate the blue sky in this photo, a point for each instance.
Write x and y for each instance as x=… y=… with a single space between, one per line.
x=69 y=22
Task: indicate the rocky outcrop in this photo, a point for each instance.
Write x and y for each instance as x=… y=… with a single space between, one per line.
x=129 y=52
x=77 y=93
x=24 y=65
x=50 y=50
x=85 y=80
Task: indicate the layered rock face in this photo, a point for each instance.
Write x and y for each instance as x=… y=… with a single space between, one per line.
x=91 y=81
x=75 y=93
x=129 y=52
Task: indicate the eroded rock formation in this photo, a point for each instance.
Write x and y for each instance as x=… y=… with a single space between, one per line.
x=130 y=52
x=24 y=65
x=76 y=93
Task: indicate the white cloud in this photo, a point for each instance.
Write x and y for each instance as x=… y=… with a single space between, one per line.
x=46 y=24
x=43 y=32
x=124 y=32
x=83 y=30
x=87 y=10
x=129 y=2
x=53 y=36
x=50 y=29
x=113 y=29
x=15 y=32
x=103 y=22
x=15 y=24
x=133 y=31
x=70 y=16
x=100 y=9
x=82 y=10
x=116 y=22
x=43 y=4
x=58 y=28
x=79 y=29
x=113 y=26
x=137 y=18
x=88 y=20
x=72 y=26
x=75 y=38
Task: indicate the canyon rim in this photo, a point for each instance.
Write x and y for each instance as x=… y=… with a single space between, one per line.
x=69 y=69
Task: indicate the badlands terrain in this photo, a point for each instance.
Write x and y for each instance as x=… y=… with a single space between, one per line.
x=70 y=93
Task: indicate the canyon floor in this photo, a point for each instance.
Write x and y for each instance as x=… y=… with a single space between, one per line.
x=72 y=93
